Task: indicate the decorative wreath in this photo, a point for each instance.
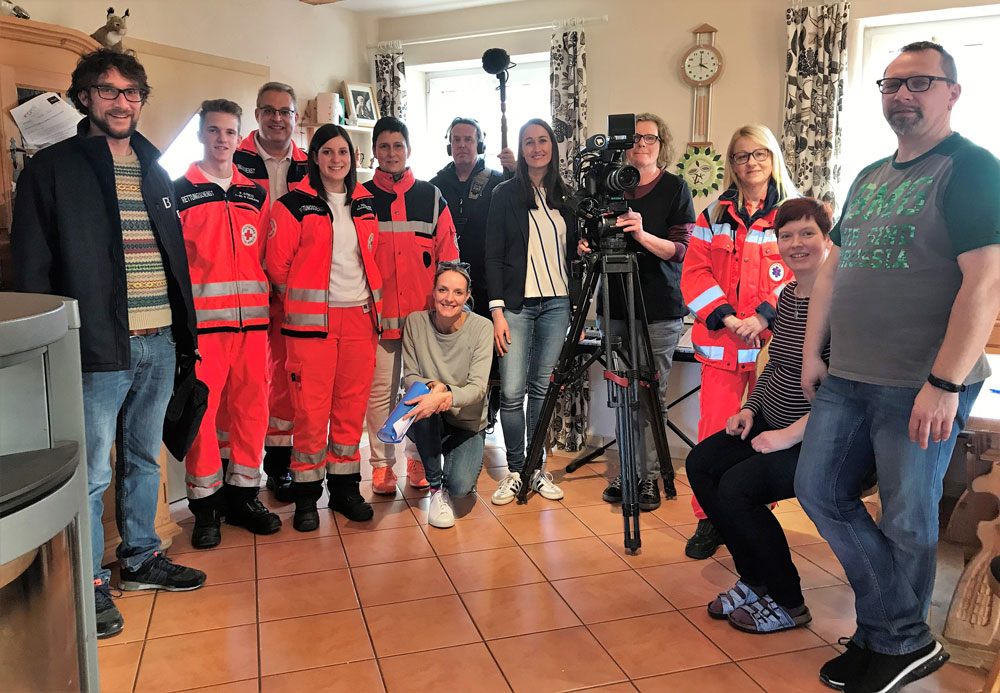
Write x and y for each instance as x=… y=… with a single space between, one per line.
x=702 y=168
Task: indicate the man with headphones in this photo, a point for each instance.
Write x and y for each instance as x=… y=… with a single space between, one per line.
x=468 y=185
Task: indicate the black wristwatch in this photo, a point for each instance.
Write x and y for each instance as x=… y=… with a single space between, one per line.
x=944 y=384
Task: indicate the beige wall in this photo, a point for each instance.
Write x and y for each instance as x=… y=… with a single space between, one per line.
x=311 y=48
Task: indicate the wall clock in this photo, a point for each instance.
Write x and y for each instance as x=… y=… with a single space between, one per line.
x=701 y=65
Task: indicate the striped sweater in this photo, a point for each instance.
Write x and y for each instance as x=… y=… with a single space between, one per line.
x=145 y=279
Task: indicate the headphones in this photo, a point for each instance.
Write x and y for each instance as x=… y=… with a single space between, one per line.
x=460 y=120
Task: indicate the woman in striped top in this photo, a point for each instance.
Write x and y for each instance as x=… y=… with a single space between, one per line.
x=737 y=472
x=529 y=234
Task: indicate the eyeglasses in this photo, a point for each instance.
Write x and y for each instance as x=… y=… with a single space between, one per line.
x=648 y=139
x=914 y=84
x=743 y=157
x=110 y=93
x=285 y=113
x=454 y=265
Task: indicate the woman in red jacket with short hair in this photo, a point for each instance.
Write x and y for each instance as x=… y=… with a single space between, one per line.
x=321 y=258
x=731 y=279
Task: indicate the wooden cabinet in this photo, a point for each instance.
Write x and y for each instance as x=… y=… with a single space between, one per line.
x=34 y=58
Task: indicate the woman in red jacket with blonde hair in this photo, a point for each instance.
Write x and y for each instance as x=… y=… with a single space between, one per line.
x=731 y=279
x=321 y=259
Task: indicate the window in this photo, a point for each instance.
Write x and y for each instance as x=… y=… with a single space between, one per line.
x=973 y=41
x=464 y=89
x=183 y=150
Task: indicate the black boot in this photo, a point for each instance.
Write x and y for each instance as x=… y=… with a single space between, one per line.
x=703 y=543
x=277 y=459
x=207 y=521
x=244 y=509
x=306 y=493
x=346 y=498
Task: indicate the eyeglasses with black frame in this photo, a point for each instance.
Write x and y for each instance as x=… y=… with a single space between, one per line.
x=648 y=139
x=110 y=93
x=914 y=84
x=285 y=113
x=741 y=158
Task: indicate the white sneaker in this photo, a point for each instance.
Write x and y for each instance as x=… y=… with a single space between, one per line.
x=507 y=489
x=542 y=484
x=440 y=512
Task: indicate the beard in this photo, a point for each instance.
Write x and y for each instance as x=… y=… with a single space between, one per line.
x=905 y=121
x=104 y=125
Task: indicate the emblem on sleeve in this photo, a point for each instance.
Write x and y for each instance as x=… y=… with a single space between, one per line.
x=777 y=272
x=273 y=230
x=249 y=234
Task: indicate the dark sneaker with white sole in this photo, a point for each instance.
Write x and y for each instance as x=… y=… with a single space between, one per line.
x=160 y=573
x=109 y=618
x=649 y=495
x=613 y=493
x=889 y=673
x=847 y=667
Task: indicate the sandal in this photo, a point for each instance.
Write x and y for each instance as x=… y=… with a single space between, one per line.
x=726 y=602
x=767 y=616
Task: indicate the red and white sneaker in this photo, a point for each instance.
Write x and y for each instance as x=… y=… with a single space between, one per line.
x=384 y=481
x=415 y=473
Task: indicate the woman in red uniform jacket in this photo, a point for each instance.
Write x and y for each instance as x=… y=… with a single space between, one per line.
x=731 y=279
x=321 y=259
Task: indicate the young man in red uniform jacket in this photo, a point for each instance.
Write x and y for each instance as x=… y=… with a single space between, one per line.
x=268 y=156
x=224 y=218
x=415 y=233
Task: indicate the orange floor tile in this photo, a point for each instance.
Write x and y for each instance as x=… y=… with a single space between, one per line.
x=536 y=598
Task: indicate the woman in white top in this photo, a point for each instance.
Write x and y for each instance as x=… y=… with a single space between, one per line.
x=320 y=258
x=530 y=232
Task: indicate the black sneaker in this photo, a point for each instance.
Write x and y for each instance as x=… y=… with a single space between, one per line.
x=889 y=673
x=649 y=495
x=703 y=543
x=277 y=459
x=613 y=493
x=160 y=573
x=281 y=487
x=846 y=667
x=109 y=618
x=249 y=512
x=346 y=498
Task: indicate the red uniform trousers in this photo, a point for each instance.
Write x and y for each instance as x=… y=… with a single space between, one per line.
x=232 y=362
x=329 y=380
x=281 y=414
x=720 y=397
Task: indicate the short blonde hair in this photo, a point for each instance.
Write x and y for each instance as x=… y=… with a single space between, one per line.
x=762 y=136
x=666 y=156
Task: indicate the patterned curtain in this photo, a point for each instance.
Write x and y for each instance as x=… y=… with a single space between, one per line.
x=568 y=63
x=816 y=66
x=390 y=80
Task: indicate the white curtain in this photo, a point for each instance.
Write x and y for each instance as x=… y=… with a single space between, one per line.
x=390 y=80
x=568 y=62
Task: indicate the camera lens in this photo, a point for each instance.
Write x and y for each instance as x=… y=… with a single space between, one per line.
x=621 y=179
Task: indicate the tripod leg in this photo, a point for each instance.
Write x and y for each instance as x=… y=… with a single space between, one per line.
x=580 y=461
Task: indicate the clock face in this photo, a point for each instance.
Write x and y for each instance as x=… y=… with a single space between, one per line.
x=702 y=65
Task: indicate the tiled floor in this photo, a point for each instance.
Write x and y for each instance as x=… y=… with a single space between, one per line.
x=540 y=597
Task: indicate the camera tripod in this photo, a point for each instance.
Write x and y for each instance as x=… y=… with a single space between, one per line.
x=629 y=371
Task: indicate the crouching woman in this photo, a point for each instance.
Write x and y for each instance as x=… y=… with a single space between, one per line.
x=449 y=349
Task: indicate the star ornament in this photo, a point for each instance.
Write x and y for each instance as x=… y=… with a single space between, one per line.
x=702 y=169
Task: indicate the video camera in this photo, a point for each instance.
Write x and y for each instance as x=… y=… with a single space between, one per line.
x=602 y=179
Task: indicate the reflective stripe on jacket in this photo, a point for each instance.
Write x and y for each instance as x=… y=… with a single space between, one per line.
x=415 y=233
x=729 y=264
x=224 y=235
x=300 y=254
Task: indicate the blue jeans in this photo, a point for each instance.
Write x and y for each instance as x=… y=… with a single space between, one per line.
x=537 y=333
x=462 y=450
x=854 y=429
x=128 y=406
x=663 y=338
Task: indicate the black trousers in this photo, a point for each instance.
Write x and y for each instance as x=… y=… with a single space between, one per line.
x=735 y=485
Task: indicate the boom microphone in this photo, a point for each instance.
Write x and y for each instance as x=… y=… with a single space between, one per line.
x=495 y=60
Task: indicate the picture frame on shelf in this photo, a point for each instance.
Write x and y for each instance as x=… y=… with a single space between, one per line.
x=360 y=102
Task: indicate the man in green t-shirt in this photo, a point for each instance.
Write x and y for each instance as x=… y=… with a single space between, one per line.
x=907 y=300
